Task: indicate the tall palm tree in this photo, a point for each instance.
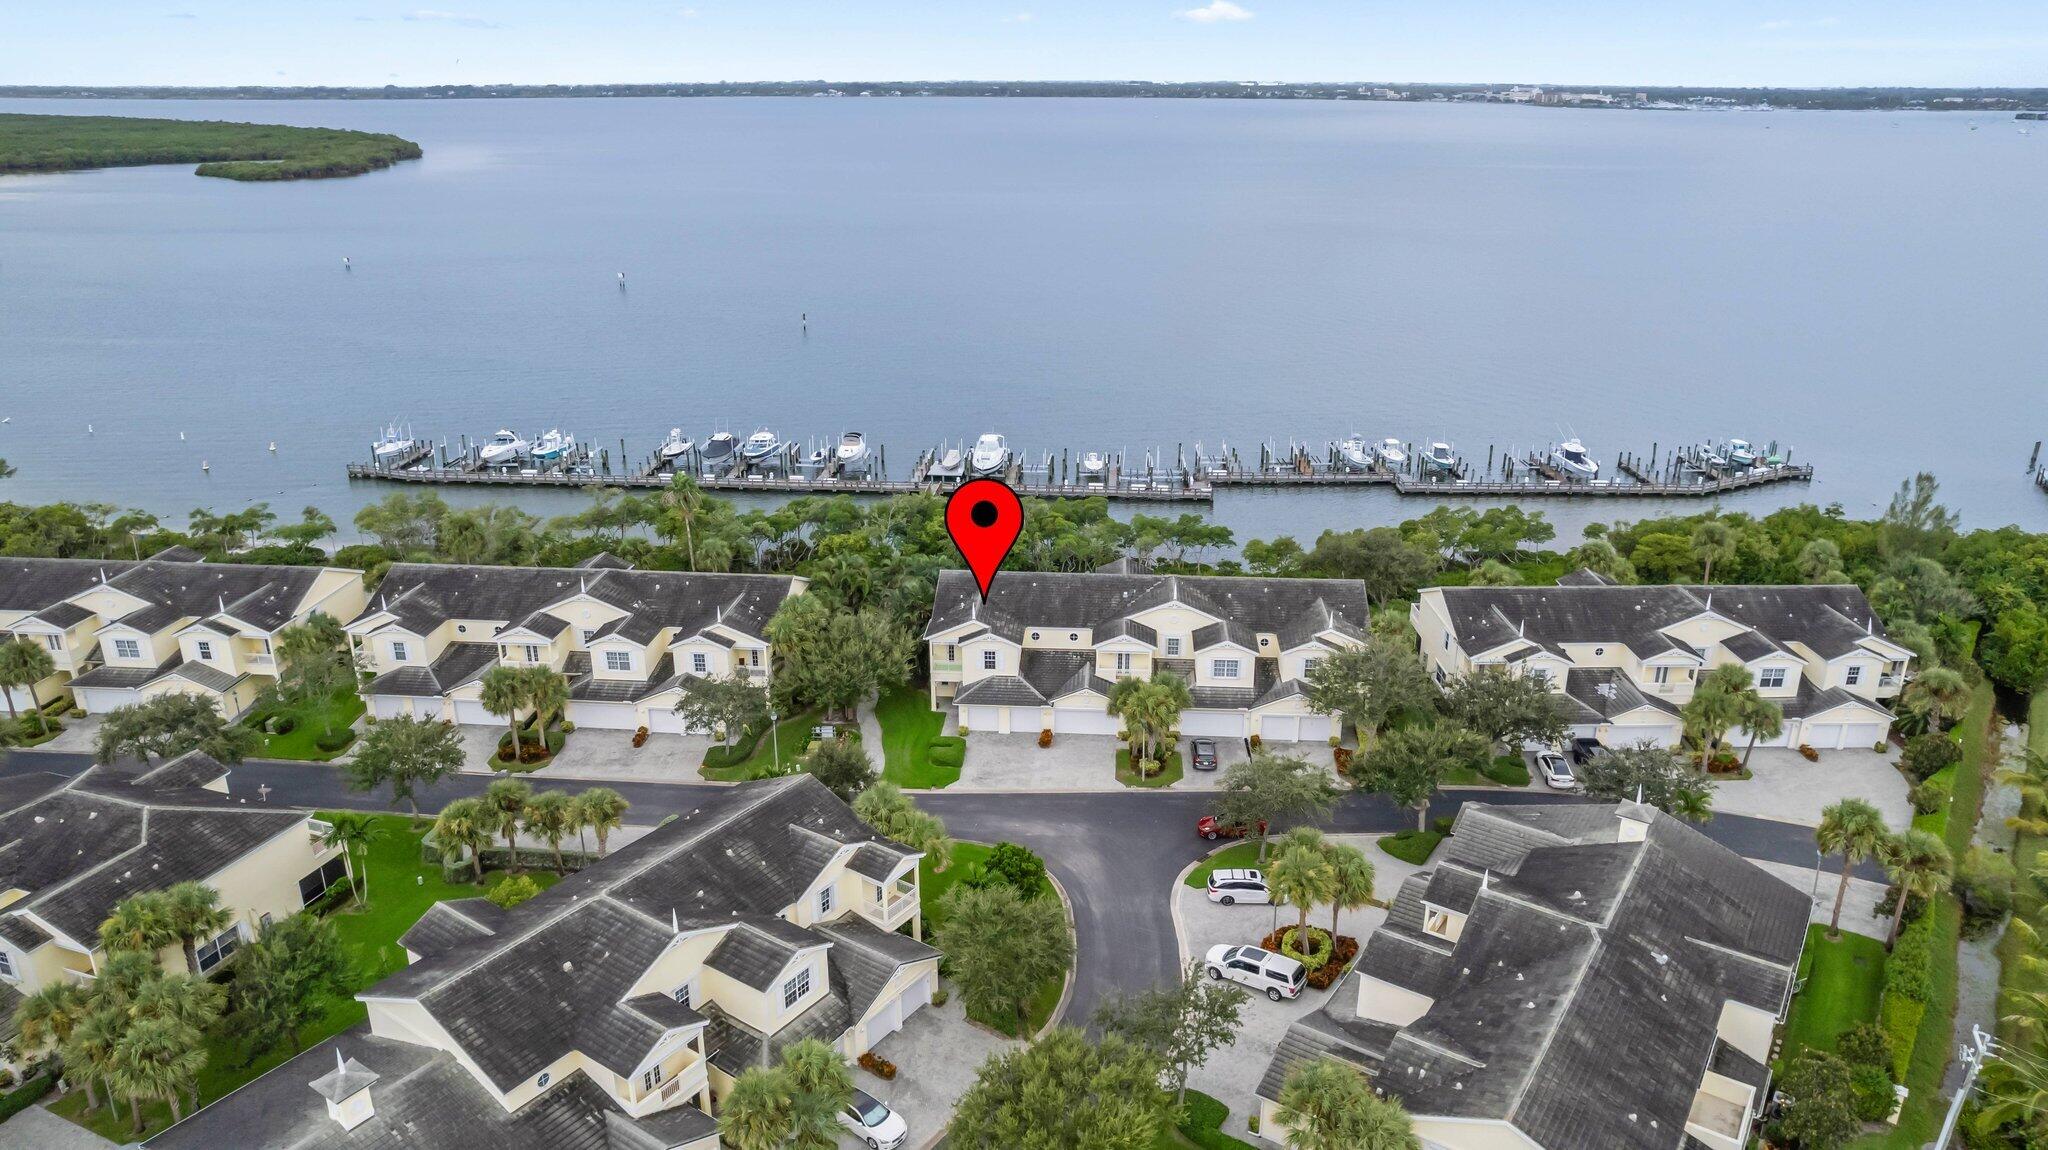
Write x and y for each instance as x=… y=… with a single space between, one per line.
x=1712 y=540
x=1919 y=864
x=1301 y=876
x=1855 y=830
x=194 y=912
x=1760 y=718
x=820 y=1085
x=1941 y=694
x=24 y=664
x=46 y=1018
x=89 y=1054
x=504 y=803
x=353 y=832
x=548 y=692
x=1326 y=1105
x=759 y=1113
x=502 y=691
x=1716 y=705
x=548 y=817
x=155 y=1059
x=604 y=810
x=140 y=922
x=681 y=501
x=188 y=1000
x=464 y=825
x=1351 y=879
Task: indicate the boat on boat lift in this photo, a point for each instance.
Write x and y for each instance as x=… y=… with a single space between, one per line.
x=1355 y=453
x=1570 y=458
x=392 y=446
x=759 y=446
x=674 y=447
x=1390 y=455
x=553 y=446
x=715 y=457
x=1440 y=459
x=852 y=453
x=503 y=450
x=991 y=455
x=1093 y=468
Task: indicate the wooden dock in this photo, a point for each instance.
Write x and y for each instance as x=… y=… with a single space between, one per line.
x=756 y=482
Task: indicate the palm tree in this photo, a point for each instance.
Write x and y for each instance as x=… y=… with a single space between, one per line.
x=140 y=922
x=2015 y=1094
x=1351 y=879
x=47 y=1017
x=353 y=832
x=504 y=802
x=89 y=1053
x=187 y=1000
x=502 y=691
x=1716 y=705
x=604 y=810
x=24 y=664
x=1301 y=876
x=1941 y=694
x=548 y=817
x=155 y=1058
x=194 y=913
x=820 y=1084
x=759 y=1113
x=681 y=501
x=1760 y=718
x=548 y=691
x=1326 y=1105
x=1855 y=830
x=464 y=824
x=1712 y=540
x=1919 y=864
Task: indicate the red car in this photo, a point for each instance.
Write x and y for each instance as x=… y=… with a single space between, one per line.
x=1209 y=828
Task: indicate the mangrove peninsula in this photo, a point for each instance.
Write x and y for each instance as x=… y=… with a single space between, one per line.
x=229 y=150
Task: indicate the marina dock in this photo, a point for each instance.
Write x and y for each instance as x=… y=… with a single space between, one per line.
x=1154 y=476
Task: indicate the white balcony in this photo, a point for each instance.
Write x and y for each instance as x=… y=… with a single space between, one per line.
x=892 y=907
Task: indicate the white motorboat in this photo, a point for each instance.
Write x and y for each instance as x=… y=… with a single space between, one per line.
x=759 y=446
x=674 y=447
x=1355 y=453
x=852 y=453
x=392 y=446
x=716 y=454
x=503 y=450
x=1571 y=459
x=990 y=456
x=1440 y=459
x=1390 y=454
x=1740 y=454
x=947 y=464
x=1093 y=466
x=553 y=447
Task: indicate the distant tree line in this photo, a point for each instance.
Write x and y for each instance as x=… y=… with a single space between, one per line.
x=231 y=151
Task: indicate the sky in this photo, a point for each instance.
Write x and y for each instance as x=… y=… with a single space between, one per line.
x=414 y=42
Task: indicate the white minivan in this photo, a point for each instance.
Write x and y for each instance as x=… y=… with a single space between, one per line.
x=1277 y=975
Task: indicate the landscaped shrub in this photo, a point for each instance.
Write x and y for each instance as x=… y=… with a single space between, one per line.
x=878 y=1066
x=1045 y=737
x=1013 y=866
x=1257 y=742
x=1872 y=1087
x=1930 y=796
x=334 y=740
x=1442 y=825
x=1413 y=847
x=512 y=891
x=947 y=750
x=31 y=1091
x=1313 y=954
x=1865 y=1045
x=1808 y=753
x=1341 y=757
x=640 y=737
x=568 y=727
x=1927 y=754
x=1900 y=1018
x=1334 y=964
x=1508 y=771
x=940 y=996
x=1909 y=972
x=1201 y=1122
x=1984 y=882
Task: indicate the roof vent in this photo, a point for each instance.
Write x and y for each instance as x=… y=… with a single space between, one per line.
x=567 y=966
x=1660 y=956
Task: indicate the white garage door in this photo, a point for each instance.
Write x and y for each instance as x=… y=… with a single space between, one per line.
x=1630 y=736
x=1862 y=734
x=1215 y=724
x=100 y=700
x=1822 y=735
x=1740 y=738
x=978 y=718
x=661 y=719
x=1294 y=728
x=605 y=716
x=472 y=711
x=390 y=706
x=1084 y=721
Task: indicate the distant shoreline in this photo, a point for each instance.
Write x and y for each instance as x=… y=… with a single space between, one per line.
x=1628 y=96
x=252 y=153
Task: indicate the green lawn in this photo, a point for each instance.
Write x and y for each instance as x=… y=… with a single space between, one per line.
x=1167 y=776
x=1843 y=982
x=401 y=888
x=2029 y=903
x=908 y=727
x=788 y=741
x=968 y=857
x=312 y=722
x=1411 y=846
x=1201 y=1127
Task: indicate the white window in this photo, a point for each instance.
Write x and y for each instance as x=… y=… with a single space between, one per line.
x=205 y=650
x=1224 y=668
x=266 y=646
x=588 y=635
x=214 y=953
x=618 y=660
x=700 y=662
x=1538 y=675
x=54 y=642
x=1771 y=677
x=685 y=994
x=1663 y=675
x=825 y=901
x=952 y=653
x=988 y=660
x=532 y=653
x=796 y=988
x=1855 y=675
x=1309 y=664
x=1173 y=646
x=754 y=658
x=6 y=965
x=398 y=654
x=127 y=648
x=651 y=1079
x=1123 y=662
x=1447 y=642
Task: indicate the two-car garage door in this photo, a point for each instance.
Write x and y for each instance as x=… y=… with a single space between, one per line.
x=1294 y=728
x=1212 y=724
x=1084 y=721
x=1841 y=735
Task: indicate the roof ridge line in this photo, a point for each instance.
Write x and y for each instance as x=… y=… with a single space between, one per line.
x=1729 y=950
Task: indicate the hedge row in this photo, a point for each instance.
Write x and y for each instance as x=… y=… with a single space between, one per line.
x=1201 y=1122
x=25 y=1097
x=1908 y=980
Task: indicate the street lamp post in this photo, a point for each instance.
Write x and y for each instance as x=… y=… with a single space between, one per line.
x=1973 y=1056
x=774 y=741
x=1814 y=894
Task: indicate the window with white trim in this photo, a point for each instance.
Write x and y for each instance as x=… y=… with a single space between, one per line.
x=397 y=651
x=1123 y=662
x=127 y=649
x=1663 y=675
x=952 y=653
x=588 y=633
x=1173 y=646
x=700 y=662
x=618 y=660
x=1224 y=668
x=204 y=650
x=1855 y=675
x=1771 y=677
x=54 y=642
x=796 y=988
x=988 y=660
x=754 y=658
x=7 y=965
x=532 y=653
x=825 y=901
x=214 y=953
x=1538 y=675
x=266 y=646
x=651 y=1079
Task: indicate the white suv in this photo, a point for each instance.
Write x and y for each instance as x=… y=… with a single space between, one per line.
x=1231 y=887
x=1277 y=975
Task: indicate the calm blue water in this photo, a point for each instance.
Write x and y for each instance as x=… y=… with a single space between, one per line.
x=1088 y=274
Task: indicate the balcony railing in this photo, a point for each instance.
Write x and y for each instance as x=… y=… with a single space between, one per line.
x=260 y=662
x=893 y=905
x=945 y=666
x=1889 y=680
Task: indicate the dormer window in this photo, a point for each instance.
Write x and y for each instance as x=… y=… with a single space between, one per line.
x=398 y=654
x=618 y=660
x=796 y=988
x=700 y=662
x=988 y=660
x=1771 y=677
x=204 y=649
x=952 y=653
x=1854 y=676
x=1123 y=662
x=1663 y=675
x=1224 y=668
x=651 y=1079
x=127 y=649
x=7 y=966
x=588 y=635
x=532 y=653
x=54 y=642
x=754 y=658
x=1173 y=646
x=824 y=902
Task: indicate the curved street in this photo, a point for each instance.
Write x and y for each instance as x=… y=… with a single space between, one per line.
x=1116 y=853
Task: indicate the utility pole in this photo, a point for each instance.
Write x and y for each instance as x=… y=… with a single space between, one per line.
x=1973 y=1056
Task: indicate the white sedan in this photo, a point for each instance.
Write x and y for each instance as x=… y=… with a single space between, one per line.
x=1556 y=771
x=872 y=1122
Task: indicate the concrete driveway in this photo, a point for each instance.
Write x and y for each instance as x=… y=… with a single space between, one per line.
x=610 y=756
x=937 y=1054
x=1788 y=788
x=37 y=1129
x=479 y=747
x=1018 y=763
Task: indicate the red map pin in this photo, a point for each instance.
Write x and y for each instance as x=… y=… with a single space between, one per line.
x=984 y=517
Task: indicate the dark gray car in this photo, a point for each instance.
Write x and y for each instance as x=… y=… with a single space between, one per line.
x=1202 y=754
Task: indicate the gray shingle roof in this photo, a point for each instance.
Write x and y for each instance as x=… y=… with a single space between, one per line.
x=424 y=594
x=753 y=956
x=1064 y=599
x=1829 y=620
x=459 y=663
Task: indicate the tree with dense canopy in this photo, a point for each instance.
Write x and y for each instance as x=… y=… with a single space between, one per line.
x=314 y=664
x=407 y=753
x=836 y=658
x=1063 y=1092
x=284 y=978
x=1409 y=764
x=170 y=725
x=1656 y=774
x=1268 y=787
x=723 y=707
x=1001 y=947
x=1368 y=684
x=1182 y=1022
x=1326 y=1105
x=1507 y=709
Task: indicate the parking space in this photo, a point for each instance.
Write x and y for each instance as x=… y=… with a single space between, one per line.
x=1786 y=787
x=1017 y=763
x=937 y=1054
x=610 y=756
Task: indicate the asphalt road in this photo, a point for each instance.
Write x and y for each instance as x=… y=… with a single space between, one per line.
x=1117 y=854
